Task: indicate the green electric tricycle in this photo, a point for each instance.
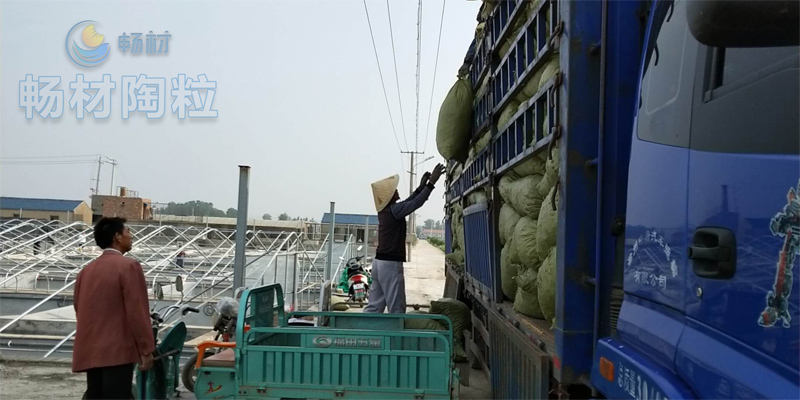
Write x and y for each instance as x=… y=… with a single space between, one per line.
x=346 y=355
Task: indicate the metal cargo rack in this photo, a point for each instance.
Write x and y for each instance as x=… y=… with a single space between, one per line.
x=562 y=116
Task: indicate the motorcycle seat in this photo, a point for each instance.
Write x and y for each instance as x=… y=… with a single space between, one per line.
x=225 y=358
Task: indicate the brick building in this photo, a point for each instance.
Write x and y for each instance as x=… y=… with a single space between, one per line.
x=125 y=206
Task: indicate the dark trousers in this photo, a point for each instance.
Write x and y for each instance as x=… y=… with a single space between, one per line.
x=110 y=382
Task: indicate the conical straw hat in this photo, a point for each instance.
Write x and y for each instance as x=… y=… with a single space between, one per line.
x=383 y=191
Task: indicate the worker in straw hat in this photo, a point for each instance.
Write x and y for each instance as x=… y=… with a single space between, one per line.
x=388 y=288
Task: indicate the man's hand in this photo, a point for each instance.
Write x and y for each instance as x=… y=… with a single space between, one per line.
x=437 y=172
x=146 y=362
x=425 y=177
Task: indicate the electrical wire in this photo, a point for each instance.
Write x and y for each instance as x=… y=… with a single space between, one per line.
x=51 y=157
x=396 y=76
x=419 y=59
x=380 y=72
x=433 y=86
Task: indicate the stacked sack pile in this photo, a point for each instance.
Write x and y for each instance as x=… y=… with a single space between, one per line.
x=527 y=225
x=527 y=231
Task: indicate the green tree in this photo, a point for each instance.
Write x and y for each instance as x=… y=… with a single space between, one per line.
x=429 y=223
x=195 y=207
x=437 y=225
x=231 y=213
x=284 y=217
x=266 y=217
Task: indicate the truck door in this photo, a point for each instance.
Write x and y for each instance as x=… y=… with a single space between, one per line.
x=655 y=234
x=743 y=224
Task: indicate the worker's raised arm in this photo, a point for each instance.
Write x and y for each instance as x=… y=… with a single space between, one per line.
x=404 y=208
x=420 y=196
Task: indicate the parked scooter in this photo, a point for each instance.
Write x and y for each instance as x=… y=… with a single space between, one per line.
x=161 y=381
x=225 y=326
x=355 y=279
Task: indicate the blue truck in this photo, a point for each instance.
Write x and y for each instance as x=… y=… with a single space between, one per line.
x=676 y=123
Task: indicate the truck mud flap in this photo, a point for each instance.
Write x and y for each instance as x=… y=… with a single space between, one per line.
x=519 y=369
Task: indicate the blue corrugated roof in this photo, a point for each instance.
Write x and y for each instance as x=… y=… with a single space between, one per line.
x=17 y=203
x=350 y=219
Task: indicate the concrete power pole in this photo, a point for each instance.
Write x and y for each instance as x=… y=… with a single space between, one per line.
x=411 y=218
x=97 y=181
x=113 y=167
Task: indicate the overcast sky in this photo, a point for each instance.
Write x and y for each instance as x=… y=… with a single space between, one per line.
x=298 y=95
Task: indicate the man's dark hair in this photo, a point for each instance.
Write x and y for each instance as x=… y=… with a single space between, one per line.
x=106 y=228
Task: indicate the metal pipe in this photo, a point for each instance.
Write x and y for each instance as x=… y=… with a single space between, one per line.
x=329 y=265
x=294 y=283
x=241 y=227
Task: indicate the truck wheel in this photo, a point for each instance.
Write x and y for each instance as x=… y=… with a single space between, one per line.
x=189 y=372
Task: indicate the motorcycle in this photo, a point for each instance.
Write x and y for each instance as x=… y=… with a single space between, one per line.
x=355 y=279
x=225 y=326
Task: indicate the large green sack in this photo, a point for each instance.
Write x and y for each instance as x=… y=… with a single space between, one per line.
x=456 y=257
x=527 y=298
x=480 y=144
x=457 y=227
x=546 y=284
x=527 y=303
x=455 y=122
x=508 y=272
x=424 y=324
x=535 y=165
x=338 y=304
x=458 y=313
x=506 y=114
x=478 y=196
x=547 y=225
x=508 y=221
x=525 y=243
x=526 y=280
x=523 y=196
x=550 y=177
x=505 y=184
x=531 y=87
x=459 y=355
x=550 y=70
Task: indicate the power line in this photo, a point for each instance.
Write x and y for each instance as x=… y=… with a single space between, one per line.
x=377 y=60
x=48 y=157
x=419 y=59
x=13 y=162
x=433 y=86
x=396 y=76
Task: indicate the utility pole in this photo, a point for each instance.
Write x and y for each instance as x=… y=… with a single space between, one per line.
x=411 y=218
x=113 y=163
x=241 y=228
x=97 y=181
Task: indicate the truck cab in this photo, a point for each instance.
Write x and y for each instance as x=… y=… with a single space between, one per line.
x=712 y=218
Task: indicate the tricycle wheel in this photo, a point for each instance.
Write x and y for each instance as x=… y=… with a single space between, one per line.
x=189 y=372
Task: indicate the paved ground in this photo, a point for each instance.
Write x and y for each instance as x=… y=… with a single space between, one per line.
x=424 y=274
x=27 y=379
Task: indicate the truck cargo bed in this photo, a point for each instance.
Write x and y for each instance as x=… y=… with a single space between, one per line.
x=537 y=330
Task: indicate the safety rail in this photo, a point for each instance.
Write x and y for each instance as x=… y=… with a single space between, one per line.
x=525 y=134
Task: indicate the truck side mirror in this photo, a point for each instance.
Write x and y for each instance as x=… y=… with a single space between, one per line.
x=179 y=283
x=158 y=291
x=744 y=23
